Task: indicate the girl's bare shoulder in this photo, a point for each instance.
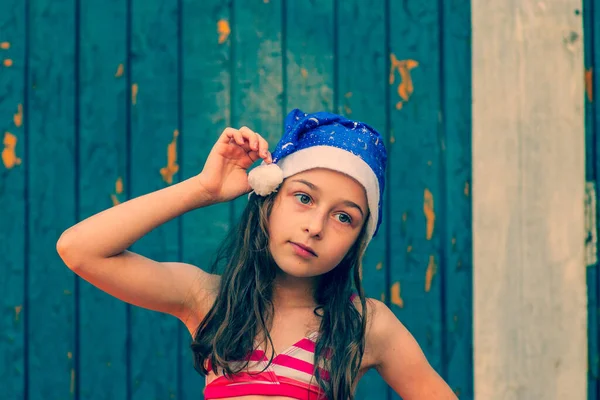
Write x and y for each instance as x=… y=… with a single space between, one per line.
x=380 y=319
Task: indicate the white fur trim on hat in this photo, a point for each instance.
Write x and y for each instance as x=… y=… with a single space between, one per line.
x=342 y=161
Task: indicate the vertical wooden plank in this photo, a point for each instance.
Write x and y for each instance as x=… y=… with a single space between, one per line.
x=308 y=36
x=154 y=164
x=361 y=93
x=257 y=72
x=205 y=104
x=591 y=26
x=52 y=168
x=12 y=195
x=528 y=198
x=102 y=180
x=456 y=240
x=417 y=224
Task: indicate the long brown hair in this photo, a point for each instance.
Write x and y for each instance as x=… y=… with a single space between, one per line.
x=243 y=309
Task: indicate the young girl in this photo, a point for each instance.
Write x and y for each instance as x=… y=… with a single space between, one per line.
x=287 y=318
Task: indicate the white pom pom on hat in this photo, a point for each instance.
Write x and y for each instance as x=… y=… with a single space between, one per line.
x=265 y=179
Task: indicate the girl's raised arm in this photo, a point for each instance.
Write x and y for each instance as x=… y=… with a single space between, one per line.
x=96 y=248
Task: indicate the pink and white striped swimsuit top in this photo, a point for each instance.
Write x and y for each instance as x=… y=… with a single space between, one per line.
x=290 y=374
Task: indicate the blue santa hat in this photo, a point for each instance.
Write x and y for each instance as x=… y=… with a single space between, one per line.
x=326 y=140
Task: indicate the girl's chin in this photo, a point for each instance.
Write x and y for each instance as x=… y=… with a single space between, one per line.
x=297 y=271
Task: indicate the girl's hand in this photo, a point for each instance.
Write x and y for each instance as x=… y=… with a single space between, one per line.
x=225 y=176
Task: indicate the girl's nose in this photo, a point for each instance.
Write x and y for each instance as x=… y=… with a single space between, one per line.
x=314 y=224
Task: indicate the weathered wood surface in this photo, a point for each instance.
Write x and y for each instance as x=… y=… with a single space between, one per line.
x=528 y=196
x=122 y=98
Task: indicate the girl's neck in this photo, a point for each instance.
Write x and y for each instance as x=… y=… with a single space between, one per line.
x=290 y=292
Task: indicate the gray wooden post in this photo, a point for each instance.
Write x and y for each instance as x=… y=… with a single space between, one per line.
x=528 y=200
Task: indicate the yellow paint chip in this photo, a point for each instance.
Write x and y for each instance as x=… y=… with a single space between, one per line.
x=171 y=168
x=224 y=30
x=379 y=266
x=9 y=155
x=18 y=116
x=304 y=73
x=348 y=95
x=405 y=87
x=396 y=298
x=134 y=93
x=429 y=212
x=8 y=62
x=120 y=71
x=18 y=310
x=467 y=189
x=589 y=84
x=118 y=190
x=5 y=45
x=429 y=274
x=119 y=185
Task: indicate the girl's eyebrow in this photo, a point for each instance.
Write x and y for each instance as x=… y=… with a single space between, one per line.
x=345 y=202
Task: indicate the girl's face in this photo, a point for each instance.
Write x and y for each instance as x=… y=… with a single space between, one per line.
x=316 y=218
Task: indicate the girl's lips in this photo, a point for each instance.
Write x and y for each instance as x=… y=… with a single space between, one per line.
x=303 y=251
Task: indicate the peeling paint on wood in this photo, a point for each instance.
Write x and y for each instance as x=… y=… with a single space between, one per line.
x=589 y=84
x=134 y=93
x=429 y=212
x=172 y=167
x=396 y=297
x=430 y=273
x=18 y=116
x=9 y=155
x=405 y=87
x=18 y=310
x=223 y=29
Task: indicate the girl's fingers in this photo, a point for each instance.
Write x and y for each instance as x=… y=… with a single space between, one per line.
x=227 y=135
x=248 y=140
x=251 y=136
x=263 y=147
x=253 y=155
x=239 y=138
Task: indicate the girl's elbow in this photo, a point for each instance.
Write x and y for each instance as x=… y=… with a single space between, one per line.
x=66 y=251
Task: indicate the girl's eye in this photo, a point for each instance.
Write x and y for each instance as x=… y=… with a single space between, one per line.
x=304 y=198
x=344 y=218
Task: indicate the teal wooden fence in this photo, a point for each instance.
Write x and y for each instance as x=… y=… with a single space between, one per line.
x=104 y=100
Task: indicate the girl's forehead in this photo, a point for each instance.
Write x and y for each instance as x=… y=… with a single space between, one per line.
x=331 y=182
x=324 y=175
